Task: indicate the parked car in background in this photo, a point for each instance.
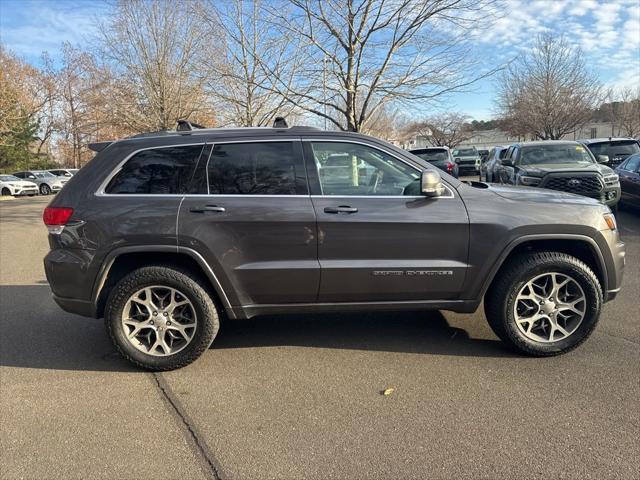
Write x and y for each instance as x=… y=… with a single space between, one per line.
x=489 y=169
x=47 y=182
x=615 y=149
x=10 y=185
x=438 y=157
x=64 y=172
x=468 y=160
x=567 y=166
x=629 y=172
x=167 y=236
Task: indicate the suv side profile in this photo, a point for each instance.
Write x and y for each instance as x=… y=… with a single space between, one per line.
x=166 y=235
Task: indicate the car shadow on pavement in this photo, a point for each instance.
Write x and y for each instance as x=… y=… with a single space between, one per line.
x=426 y=332
x=36 y=333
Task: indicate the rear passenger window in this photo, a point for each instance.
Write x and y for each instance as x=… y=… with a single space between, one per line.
x=266 y=168
x=157 y=171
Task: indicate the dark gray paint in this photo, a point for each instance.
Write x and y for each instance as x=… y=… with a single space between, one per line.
x=280 y=254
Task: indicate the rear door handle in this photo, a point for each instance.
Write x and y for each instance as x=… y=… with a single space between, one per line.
x=207 y=208
x=340 y=209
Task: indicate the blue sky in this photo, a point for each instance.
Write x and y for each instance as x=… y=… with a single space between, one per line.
x=607 y=31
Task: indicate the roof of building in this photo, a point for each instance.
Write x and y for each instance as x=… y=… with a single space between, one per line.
x=588 y=141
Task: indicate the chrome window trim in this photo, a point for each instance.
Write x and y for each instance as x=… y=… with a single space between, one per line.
x=101 y=189
x=331 y=140
x=115 y=171
x=213 y=145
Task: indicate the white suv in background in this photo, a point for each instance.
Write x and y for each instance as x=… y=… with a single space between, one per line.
x=10 y=185
x=47 y=182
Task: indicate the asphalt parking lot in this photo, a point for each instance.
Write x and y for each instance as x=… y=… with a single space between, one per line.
x=300 y=397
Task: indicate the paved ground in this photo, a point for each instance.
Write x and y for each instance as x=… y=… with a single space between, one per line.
x=299 y=397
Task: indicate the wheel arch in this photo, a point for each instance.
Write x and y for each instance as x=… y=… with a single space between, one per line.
x=579 y=246
x=122 y=261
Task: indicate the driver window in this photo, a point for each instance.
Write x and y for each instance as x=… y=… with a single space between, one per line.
x=353 y=169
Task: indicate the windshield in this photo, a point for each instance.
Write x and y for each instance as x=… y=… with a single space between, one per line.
x=435 y=155
x=8 y=178
x=465 y=152
x=555 y=154
x=43 y=174
x=615 y=149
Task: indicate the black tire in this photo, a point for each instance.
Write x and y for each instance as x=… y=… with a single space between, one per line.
x=45 y=189
x=499 y=301
x=192 y=288
x=6 y=192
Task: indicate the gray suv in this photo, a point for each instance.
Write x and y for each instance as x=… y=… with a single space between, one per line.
x=166 y=235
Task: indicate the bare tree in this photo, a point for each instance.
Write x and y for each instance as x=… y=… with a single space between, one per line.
x=548 y=92
x=242 y=92
x=362 y=54
x=446 y=129
x=625 y=111
x=155 y=49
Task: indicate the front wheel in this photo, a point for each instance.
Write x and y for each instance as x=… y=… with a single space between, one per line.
x=45 y=189
x=161 y=318
x=544 y=303
x=6 y=192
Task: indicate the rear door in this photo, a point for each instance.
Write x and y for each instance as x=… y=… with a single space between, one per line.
x=254 y=223
x=379 y=240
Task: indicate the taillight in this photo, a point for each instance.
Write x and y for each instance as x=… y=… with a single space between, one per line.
x=55 y=218
x=449 y=167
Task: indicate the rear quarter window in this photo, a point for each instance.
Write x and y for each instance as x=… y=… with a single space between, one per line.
x=157 y=171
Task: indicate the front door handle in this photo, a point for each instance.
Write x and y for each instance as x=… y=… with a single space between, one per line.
x=340 y=209
x=207 y=208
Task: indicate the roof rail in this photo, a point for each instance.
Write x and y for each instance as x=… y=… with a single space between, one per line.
x=187 y=126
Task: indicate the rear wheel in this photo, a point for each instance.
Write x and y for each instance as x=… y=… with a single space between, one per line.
x=45 y=189
x=544 y=303
x=161 y=318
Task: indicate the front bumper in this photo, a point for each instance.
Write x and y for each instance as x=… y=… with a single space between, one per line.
x=26 y=191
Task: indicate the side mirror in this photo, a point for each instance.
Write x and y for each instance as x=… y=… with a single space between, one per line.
x=603 y=159
x=457 y=160
x=31 y=176
x=431 y=183
x=506 y=162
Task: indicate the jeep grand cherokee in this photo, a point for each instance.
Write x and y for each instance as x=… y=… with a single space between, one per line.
x=166 y=235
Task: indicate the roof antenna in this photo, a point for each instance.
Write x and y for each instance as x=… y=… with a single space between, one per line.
x=280 y=122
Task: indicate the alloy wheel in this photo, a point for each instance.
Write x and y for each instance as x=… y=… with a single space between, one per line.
x=159 y=320
x=550 y=307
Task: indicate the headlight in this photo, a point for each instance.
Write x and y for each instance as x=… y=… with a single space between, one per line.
x=524 y=180
x=612 y=179
x=610 y=220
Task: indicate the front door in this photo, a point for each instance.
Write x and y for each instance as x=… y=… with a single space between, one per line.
x=256 y=226
x=378 y=238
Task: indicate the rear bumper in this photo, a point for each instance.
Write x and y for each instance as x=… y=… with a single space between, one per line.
x=71 y=275
x=78 y=307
